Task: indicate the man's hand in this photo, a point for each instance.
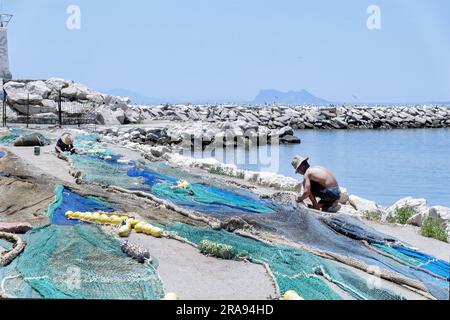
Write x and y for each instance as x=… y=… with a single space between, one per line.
x=299 y=200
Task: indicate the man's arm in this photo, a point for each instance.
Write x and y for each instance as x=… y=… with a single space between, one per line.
x=306 y=189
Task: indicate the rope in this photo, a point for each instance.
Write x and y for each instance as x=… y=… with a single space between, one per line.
x=18 y=247
x=419 y=267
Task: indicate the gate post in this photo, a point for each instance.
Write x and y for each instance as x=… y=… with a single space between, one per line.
x=28 y=109
x=4 y=105
x=59 y=110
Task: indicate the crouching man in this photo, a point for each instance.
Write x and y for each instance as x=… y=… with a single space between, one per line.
x=65 y=144
x=320 y=183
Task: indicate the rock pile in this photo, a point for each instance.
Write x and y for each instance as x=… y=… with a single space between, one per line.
x=41 y=98
x=201 y=136
x=305 y=117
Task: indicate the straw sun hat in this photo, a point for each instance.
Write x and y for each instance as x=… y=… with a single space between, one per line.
x=297 y=161
x=67 y=138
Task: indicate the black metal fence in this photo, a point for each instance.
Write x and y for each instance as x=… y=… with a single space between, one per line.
x=58 y=111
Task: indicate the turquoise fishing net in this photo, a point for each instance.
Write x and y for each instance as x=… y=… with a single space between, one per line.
x=84 y=262
x=106 y=173
x=199 y=196
x=66 y=261
x=293 y=269
x=104 y=168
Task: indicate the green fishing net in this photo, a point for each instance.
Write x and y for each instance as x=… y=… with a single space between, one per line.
x=293 y=269
x=84 y=262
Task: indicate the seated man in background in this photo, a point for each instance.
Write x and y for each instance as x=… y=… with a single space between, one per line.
x=318 y=182
x=65 y=144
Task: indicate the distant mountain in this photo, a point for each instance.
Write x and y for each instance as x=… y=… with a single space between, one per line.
x=290 y=97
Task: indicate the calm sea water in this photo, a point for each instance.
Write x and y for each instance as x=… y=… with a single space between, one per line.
x=381 y=165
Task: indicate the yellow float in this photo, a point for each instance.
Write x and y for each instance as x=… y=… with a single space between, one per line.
x=170 y=296
x=292 y=295
x=125 y=230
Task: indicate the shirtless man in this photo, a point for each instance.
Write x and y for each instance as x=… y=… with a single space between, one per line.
x=318 y=182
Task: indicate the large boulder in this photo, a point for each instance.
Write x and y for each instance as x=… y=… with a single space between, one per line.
x=31 y=109
x=274 y=180
x=57 y=84
x=132 y=116
x=107 y=116
x=17 y=93
x=419 y=206
x=38 y=88
x=365 y=206
x=115 y=103
x=76 y=91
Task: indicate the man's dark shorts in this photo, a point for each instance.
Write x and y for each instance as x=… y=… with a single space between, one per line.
x=325 y=194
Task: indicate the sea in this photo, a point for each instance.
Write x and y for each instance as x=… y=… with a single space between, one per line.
x=380 y=165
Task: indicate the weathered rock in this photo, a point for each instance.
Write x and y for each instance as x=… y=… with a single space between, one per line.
x=57 y=84
x=365 y=206
x=290 y=139
x=159 y=151
x=38 y=88
x=344 y=199
x=418 y=205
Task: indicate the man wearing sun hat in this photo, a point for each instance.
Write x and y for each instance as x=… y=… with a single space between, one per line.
x=65 y=144
x=318 y=182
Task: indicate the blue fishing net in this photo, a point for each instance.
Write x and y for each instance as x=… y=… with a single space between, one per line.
x=65 y=200
x=418 y=259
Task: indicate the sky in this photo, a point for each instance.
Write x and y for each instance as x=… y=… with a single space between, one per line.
x=231 y=49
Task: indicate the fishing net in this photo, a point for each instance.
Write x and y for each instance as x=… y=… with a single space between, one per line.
x=106 y=173
x=75 y=260
x=106 y=169
x=418 y=259
x=339 y=235
x=208 y=199
x=342 y=235
x=83 y=262
x=293 y=269
x=8 y=137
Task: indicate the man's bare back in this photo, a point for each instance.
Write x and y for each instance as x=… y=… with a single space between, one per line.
x=322 y=176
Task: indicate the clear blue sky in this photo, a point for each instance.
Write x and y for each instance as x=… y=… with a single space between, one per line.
x=230 y=49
